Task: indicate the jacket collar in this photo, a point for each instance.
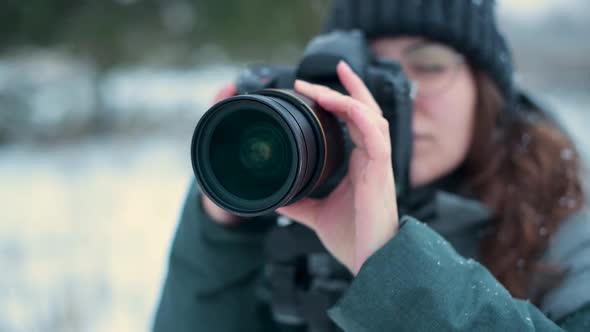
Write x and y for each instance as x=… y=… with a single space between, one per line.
x=455 y=212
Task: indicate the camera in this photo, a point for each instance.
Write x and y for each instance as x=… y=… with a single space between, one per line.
x=268 y=146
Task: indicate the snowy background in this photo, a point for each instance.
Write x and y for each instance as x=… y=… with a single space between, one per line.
x=94 y=162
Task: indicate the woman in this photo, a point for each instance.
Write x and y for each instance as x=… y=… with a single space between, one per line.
x=510 y=222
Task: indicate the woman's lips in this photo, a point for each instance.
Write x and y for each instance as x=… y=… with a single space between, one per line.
x=422 y=141
x=421 y=137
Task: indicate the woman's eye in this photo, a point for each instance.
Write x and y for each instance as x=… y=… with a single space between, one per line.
x=429 y=68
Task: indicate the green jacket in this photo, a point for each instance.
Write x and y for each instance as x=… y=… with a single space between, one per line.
x=425 y=279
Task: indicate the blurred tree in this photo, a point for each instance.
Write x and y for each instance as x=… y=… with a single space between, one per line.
x=121 y=31
x=33 y=21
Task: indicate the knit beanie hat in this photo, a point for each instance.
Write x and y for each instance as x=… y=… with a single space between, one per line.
x=469 y=26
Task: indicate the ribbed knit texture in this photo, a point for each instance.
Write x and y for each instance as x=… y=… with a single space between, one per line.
x=469 y=26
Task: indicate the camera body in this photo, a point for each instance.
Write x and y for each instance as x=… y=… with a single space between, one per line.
x=383 y=77
x=305 y=280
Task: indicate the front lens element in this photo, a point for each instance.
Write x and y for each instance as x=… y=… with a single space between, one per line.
x=250 y=155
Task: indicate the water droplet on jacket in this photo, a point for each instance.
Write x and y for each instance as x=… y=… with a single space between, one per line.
x=477 y=2
x=525 y=140
x=543 y=231
x=520 y=263
x=563 y=201
x=567 y=154
x=571 y=203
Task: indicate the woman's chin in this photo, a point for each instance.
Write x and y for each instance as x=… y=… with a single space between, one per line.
x=418 y=180
x=422 y=174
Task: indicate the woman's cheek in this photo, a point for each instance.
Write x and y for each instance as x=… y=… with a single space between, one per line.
x=422 y=168
x=433 y=159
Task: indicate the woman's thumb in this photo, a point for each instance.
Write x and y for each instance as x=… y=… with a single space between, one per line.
x=303 y=211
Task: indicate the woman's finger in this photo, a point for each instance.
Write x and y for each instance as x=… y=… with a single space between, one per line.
x=304 y=211
x=374 y=134
x=225 y=92
x=312 y=91
x=355 y=86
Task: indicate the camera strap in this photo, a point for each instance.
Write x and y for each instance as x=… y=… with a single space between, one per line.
x=305 y=279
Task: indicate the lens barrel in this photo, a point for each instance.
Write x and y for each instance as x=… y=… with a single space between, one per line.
x=254 y=153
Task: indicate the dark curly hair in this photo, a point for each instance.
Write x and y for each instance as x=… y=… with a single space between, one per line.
x=528 y=172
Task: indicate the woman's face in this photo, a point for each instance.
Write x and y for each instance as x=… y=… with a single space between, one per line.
x=444 y=107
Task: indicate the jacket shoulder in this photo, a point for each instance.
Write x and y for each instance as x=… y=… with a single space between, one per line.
x=570 y=248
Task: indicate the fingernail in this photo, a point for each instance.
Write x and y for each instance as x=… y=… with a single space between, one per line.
x=302 y=83
x=344 y=65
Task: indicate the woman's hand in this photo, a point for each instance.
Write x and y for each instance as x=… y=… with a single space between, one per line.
x=216 y=213
x=360 y=215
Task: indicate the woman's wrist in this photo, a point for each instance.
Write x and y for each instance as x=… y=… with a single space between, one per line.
x=218 y=214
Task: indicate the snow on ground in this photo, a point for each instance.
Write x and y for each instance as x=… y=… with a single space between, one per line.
x=85 y=231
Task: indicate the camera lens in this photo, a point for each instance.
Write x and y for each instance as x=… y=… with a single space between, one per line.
x=251 y=155
x=254 y=153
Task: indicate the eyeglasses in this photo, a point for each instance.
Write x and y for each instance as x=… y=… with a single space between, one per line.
x=431 y=67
